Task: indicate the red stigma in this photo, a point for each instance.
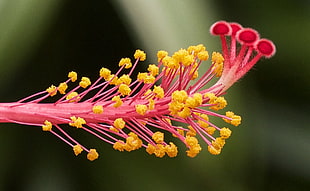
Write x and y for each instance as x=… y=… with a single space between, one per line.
x=220 y=28
x=266 y=47
x=235 y=28
x=247 y=36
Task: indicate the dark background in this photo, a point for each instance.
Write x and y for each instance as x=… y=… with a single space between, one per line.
x=269 y=151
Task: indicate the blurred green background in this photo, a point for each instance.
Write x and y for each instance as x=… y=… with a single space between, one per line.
x=40 y=41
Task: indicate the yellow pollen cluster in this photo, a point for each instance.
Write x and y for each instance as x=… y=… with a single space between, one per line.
x=77 y=122
x=146 y=78
x=216 y=146
x=73 y=76
x=47 y=126
x=158 y=91
x=181 y=104
x=126 y=62
x=132 y=143
x=158 y=137
x=92 y=155
x=225 y=133
x=219 y=102
x=119 y=123
x=195 y=50
x=84 y=82
x=118 y=101
x=105 y=73
x=141 y=109
x=73 y=97
x=151 y=104
x=159 y=150
x=153 y=69
x=218 y=62
x=124 y=89
x=203 y=123
x=182 y=56
x=194 y=147
x=52 y=90
x=139 y=54
x=235 y=119
x=124 y=79
x=161 y=54
x=77 y=149
x=98 y=109
x=62 y=87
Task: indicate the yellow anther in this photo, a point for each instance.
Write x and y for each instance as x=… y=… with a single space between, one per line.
x=196 y=49
x=188 y=60
x=149 y=79
x=133 y=142
x=97 y=109
x=194 y=74
x=124 y=79
x=52 y=90
x=62 y=87
x=139 y=54
x=175 y=107
x=141 y=109
x=212 y=97
x=124 y=89
x=77 y=149
x=151 y=104
x=161 y=54
x=186 y=112
x=148 y=92
x=217 y=57
x=170 y=62
x=180 y=132
x=217 y=61
x=126 y=62
x=191 y=132
x=84 y=82
x=202 y=123
x=118 y=101
x=47 y=126
x=112 y=79
x=203 y=55
x=114 y=129
x=225 y=133
x=180 y=55
x=150 y=149
x=160 y=150
x=234 y=119
x=213 y=150
x=119 y=145
x=210 y=130
x=191 y=141
x=158 y=137
x=119 y=123
x=159 y=92
x=77 y=122
x=171 y=150
x=73 y=76
x=179 y=96
x=218 y=143
x=73 y=97
x=194 y=150
x=219 y=102
x=153 y=69
x=141 y=76
x=194 y=101
x=105 y=73
x=92 y=155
